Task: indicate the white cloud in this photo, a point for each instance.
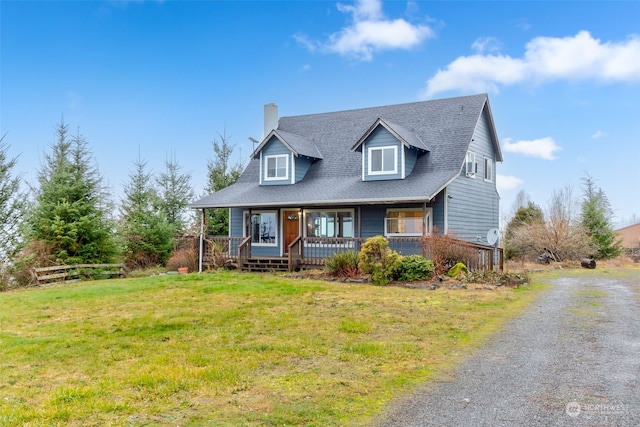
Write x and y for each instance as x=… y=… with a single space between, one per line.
x=546 y=59
x=543 y=147
x=598 y=134
x=486 y=44
x=370 y=32
x=507 y=182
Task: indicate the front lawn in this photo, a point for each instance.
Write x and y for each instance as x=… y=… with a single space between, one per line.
x=231 y=349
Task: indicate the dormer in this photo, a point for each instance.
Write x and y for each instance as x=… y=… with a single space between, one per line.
x=285 y=158
x=389 y=151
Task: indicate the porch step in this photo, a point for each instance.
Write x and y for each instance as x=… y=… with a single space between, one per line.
x=266 y=264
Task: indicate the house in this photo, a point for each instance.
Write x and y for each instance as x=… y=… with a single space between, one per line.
x=324 y=182
x=630 y=236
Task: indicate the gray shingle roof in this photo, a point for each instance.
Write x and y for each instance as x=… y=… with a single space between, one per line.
x=444 y=127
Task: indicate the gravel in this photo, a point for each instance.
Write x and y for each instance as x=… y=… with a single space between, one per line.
x=572 y=359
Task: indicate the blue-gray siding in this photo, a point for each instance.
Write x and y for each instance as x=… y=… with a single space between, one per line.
x=274 y=148
x=474 y=204
x=382 y=138
x=302 y=166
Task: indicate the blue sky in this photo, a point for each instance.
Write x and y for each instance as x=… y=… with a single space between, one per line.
x=166 y=78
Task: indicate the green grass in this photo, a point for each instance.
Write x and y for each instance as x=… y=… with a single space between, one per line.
x=231 y=349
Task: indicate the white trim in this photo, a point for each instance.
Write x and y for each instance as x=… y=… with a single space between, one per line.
x=402 y=162
x=261 y=160
x=308 y=211
x=488 y=161
x=429 y=215
x=286 y=169
x=246 y=219
x=293 y=169
x=395 y=161
x=474 y=167
x=364 y=169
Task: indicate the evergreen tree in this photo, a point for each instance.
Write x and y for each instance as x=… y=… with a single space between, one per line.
x=12 y=206
x=147 y=232
x=596 y=219
x=70 y=212
x=221 y=173
x=175 y=193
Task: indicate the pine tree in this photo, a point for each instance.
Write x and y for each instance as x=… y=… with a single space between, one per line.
x=12 y=206
x=221 y=174
x=175 y=193
x=70 y=212
x=146 y=231
x=596 y=219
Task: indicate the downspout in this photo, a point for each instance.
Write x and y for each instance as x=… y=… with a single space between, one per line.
x=446 y=211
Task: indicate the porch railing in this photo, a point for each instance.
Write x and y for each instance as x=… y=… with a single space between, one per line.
x=312 y=251
x=244 y=252
x=296 y=253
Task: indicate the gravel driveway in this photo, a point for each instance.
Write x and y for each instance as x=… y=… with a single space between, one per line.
x=573 y=359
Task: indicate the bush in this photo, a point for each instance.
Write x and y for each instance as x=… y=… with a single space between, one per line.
x=375 y=258
x=446 y=251
x=514 y=280
x=186 y=257
x=342 y=264
x=458 y=271
x=414 y=267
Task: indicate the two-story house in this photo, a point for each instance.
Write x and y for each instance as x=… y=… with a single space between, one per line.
x=324 y=182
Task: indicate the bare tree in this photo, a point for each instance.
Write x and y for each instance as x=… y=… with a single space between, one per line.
x=560 y=233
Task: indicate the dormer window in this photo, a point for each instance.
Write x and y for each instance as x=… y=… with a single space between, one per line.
x=383 y=160
x=277 y=167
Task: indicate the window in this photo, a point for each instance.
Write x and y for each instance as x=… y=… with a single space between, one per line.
x=262 y=228
x=329 y=223
x=407 y=222
x=277 y=167
x=488 y=169
x=471 y=167
x=383 y=160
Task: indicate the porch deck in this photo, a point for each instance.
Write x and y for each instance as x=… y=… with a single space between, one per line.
x=310 y=252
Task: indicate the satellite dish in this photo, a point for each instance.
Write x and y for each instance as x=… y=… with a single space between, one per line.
x=492 y=236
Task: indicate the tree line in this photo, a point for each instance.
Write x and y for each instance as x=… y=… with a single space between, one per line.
x=568 y=229
x=69 y=217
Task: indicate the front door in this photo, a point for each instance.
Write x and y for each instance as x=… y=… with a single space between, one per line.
x=291 y=228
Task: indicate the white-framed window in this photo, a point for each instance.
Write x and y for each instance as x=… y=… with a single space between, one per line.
x=488 y=169
x=262 y=227
x=471 y=166
x=276 y=167
x=407 y=222
x=329 y=223
x=383 y=160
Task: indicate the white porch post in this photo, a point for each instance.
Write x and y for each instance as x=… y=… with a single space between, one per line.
x=200 y=255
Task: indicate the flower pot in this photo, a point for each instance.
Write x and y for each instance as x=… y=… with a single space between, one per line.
x=183 y=270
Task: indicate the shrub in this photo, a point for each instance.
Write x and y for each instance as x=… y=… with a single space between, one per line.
x=375 y=258
x=185 y=257
x=446 y=251
x=514 y=280
x=458 y=270
x=414 y=267
x=342 y=264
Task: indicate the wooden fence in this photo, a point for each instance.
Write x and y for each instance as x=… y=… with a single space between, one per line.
x=75 y=272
